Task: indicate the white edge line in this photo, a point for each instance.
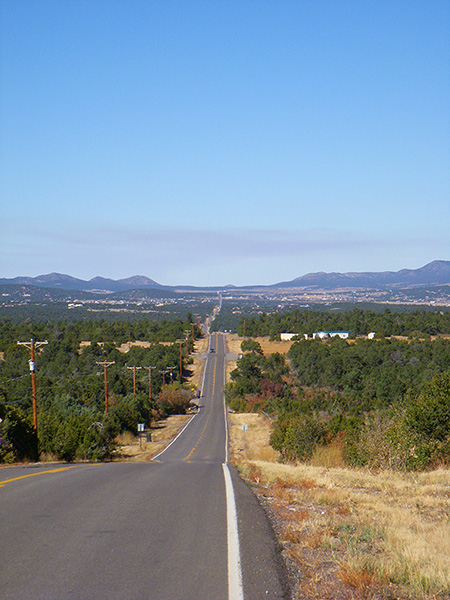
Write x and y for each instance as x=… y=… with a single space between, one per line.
x=235 y=588
x=175 y=438
x=227 y=456
x=225 y=412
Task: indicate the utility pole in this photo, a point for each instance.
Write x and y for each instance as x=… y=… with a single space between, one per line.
x=181 y=342
x=32 y=345
x=197 y=322
x=164 y=379
x=187 y=342
x=149 y=369
x=170 y=369
x=105 y=365
x=134 y=369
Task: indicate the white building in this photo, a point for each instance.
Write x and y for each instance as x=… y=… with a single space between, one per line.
x=323 y=335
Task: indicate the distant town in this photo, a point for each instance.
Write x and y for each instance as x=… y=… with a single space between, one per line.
x=61 y=296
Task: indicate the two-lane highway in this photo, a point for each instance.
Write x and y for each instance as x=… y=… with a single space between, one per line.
x=183 y=527
x=205 y=437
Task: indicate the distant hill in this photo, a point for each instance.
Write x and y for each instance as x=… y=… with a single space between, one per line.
x=434 y=273
x=66 y=282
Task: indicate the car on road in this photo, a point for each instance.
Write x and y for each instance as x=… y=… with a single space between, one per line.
x=211 y=350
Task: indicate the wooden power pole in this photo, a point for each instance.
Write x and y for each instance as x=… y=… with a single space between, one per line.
x=149 y=369
x=134 y=369
x=105 y=364
x=32 y=345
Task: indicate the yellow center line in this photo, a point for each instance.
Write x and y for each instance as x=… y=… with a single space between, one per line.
x=199 y=439
x=2 y=483
x=209 y=415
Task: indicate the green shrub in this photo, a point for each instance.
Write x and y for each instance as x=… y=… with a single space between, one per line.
x=429 y=414
x=18 y=440
x=296 y=436
x=174 y=400
x=384 y=441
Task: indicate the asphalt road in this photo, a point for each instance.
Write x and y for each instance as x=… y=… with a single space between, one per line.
x=183 y=527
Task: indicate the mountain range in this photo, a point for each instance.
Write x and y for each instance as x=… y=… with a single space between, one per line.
x=434 y=273
x=101 y=284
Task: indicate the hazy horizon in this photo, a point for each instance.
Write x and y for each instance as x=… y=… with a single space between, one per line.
x=137 y=275
x=223 y=143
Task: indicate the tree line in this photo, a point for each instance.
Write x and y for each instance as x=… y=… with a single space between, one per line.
x=72 y=422
x=385 y=403
x=419 y=322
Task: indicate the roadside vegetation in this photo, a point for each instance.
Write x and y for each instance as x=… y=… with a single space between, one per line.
x=72 y=421
x=347 y=441
x=384 y=403
x=384 y=322
x=349 y=534
x=354 y=464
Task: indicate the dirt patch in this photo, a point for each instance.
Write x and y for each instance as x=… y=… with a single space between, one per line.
x=124 y=348
x=233 y=346
x=233 y=343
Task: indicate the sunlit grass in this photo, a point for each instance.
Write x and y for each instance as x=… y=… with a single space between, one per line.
x=379 y=529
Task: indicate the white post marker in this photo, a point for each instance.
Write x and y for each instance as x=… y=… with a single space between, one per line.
x=244 y=429
x=235 y=588
x=141 y=429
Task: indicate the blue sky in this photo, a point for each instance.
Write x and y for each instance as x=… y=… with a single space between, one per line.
x=216 y=142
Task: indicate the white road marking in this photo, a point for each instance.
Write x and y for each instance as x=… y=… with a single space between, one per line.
x=235 y=588
x=175 y=439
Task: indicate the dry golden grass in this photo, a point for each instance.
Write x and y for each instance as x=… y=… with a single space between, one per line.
x=200 y=347
x=162 y=432
x=124 y=348
x=268 y=347
x=233 y=344
x=370 y=535
x=252 y=444
x=234 y=341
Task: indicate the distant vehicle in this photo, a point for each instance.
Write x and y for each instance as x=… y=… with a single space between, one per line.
x=211 y=349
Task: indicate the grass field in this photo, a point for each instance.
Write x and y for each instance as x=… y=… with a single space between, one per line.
x=268 y=347
x=351 y=534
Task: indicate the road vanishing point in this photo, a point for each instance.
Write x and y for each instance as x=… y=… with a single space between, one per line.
x=182 y=527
